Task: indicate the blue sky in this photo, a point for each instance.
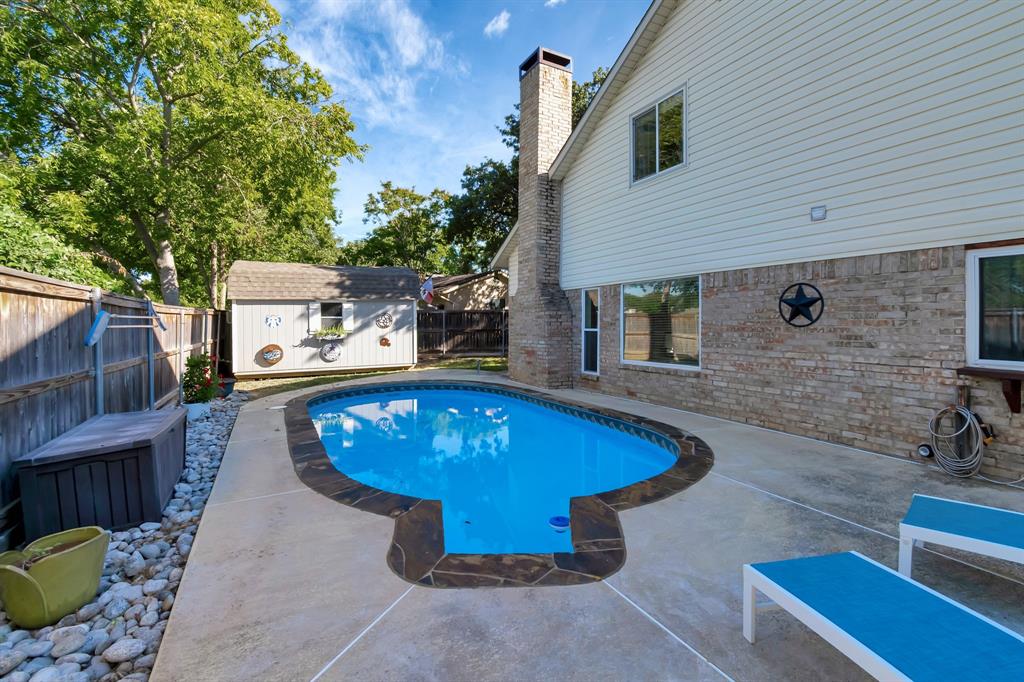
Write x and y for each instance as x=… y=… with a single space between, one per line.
x=427 y=82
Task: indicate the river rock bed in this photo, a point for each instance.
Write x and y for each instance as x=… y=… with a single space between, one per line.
x=116 y=636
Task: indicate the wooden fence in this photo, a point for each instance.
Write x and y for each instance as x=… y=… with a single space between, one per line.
x=47 y=374
x=462 y=332
x=649 y=338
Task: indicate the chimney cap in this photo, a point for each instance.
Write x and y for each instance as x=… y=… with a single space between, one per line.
x=543 y=55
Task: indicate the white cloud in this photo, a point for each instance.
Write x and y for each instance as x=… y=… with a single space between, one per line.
x=553 y=3
x=375 y=54
x=498 y=25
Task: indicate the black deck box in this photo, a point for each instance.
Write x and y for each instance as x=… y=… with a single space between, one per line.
x=114 y=471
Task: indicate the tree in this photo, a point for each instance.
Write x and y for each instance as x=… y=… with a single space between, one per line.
x=26 y=244
x=483 y=214
x=486 y=210
x=407 y=231
x=188 y=129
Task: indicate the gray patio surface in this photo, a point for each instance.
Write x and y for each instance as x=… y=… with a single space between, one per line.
x=284 y=584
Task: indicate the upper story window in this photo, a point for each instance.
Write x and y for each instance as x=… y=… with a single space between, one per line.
x=659 y=137
x=995 y=307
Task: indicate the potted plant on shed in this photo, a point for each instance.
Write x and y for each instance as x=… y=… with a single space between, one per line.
x=53 y=576
x=198 y=385
x=332 y=333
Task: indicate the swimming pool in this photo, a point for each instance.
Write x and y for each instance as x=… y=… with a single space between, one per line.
x=477 y=474
x=503 y=468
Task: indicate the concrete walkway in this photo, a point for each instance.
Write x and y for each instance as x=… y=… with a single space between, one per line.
x=284 y=584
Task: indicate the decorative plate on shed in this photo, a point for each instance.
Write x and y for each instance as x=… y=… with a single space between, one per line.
x=272 y=321
x=384 y=320
x=271 y=354
x=330 y=351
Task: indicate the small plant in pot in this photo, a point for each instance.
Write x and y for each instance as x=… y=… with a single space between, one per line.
x=200 y=384
x=330 y=333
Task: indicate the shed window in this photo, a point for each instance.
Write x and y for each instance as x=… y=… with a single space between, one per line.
x=661 y=322
x=331 y=315
x=659 y=137
x=995 y=307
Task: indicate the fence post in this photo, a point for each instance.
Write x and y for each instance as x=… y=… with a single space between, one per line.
x=150 y=373
x=444 y=332
x=181 y=356
x=96 y=296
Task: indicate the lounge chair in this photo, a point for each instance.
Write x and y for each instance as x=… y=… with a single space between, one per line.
x=975 y=528
x=889 y=625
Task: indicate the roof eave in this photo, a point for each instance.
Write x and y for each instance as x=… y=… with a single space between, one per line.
x=643 y=35
x=500 y=259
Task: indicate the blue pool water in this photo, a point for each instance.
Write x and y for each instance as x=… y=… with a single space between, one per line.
x=501 y=466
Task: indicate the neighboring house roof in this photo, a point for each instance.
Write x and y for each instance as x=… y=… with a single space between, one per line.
x=500 y=259
x=644 y=34
x=455 y=281
x=255 y=281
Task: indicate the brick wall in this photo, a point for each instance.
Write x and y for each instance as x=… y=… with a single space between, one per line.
x=869 y=374
x=540 y=319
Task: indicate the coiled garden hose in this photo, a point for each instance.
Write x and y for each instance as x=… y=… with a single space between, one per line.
x=959 y=451
x=946 y=441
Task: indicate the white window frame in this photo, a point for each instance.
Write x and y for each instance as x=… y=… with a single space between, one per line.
x=685 y=162
x=700 y=326
x=583 y=333
x=341 y=318
x=973 y=328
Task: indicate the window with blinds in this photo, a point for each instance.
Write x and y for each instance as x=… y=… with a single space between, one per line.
x=591 y=341
x=661 y=322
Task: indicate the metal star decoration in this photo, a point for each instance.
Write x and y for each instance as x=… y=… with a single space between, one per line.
x=801 y=305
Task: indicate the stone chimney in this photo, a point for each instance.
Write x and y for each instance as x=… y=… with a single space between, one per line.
x=540 y=319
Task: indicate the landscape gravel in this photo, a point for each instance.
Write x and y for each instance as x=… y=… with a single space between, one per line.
x=117 y=635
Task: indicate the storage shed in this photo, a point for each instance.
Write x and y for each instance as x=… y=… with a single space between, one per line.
x=283 y=316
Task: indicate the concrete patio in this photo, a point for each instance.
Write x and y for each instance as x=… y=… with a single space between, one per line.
x=285 y=584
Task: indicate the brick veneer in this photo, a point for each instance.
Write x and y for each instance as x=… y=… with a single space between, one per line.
x=540 y=319
x=869 y=374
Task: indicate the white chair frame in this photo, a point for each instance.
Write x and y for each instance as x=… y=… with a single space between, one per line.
x=915 y=536
x=755 y=581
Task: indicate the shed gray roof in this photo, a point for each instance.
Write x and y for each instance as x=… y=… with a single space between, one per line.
x=255 y=281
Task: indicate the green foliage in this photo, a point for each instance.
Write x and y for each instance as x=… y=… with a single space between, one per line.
x=407 y=231
x=327 y=332
x=200 y=381
x=29 y=244
x=482 y=215
x=184 y=134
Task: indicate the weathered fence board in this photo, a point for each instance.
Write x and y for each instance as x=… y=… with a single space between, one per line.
x=47 y=375
x=462 y=332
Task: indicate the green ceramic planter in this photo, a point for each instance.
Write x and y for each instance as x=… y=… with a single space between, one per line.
x=57 y=584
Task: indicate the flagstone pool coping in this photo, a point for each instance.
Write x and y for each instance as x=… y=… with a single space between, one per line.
x=417 y=551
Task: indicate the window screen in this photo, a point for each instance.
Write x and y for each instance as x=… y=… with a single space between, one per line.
x=645 y=141
x=661 y=321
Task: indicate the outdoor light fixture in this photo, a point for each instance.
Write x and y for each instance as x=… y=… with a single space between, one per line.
x=818 y=213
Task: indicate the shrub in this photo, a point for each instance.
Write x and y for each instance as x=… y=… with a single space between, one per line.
x=198 y=383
